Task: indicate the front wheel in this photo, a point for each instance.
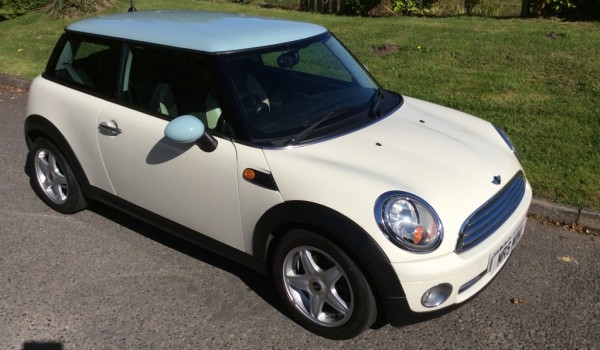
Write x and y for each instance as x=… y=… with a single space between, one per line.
x=52 y=178
x=322 y=287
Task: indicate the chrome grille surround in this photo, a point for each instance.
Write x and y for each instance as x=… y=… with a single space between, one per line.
x=491 y=215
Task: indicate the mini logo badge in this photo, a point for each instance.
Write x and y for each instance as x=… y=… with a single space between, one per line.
x=497 y=180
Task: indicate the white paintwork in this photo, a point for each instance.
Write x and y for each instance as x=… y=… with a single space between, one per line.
x=418 y=276
x=449 y=161
x=444 y=156
x=74 y=114
x=178 y=181
x=254 y=200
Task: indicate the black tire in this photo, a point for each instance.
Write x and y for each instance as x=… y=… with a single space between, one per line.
x=52 y=179
x=312 y=272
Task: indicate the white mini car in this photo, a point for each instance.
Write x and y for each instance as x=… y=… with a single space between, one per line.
x=266 y=141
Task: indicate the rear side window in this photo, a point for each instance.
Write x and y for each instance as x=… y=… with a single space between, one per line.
x=88 y=64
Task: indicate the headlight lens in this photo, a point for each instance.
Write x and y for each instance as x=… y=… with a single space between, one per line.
x=408 y=221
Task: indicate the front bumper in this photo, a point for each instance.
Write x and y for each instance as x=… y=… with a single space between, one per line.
x=466 y=272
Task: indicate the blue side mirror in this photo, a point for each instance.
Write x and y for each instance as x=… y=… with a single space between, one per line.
x=184 y=129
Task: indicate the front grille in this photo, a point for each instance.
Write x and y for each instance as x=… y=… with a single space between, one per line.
x=486 y=220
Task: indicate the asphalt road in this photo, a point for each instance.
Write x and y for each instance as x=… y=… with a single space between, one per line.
x=102 y=280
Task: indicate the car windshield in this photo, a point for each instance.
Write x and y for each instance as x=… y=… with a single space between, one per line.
x=301 y=91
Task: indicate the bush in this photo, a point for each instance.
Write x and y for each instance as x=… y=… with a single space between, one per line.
x=14 y=8
x=568 y=9
x=584 y=9
x=551 y=8
x=77 y=8
x=413 y=7
x=361 y=7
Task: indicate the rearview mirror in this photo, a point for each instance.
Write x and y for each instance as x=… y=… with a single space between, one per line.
x=288 y=59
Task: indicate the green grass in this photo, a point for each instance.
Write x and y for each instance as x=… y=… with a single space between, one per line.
x=539 y=80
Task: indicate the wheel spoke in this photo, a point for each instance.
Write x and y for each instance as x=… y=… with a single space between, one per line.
x=43 y=171
x=57 y=190
x=333 y=299
x=52 y=163
x=332 y=275
x=298 y=281
x=316 y=305
x=42 y=164
x=60 y=179
x=310 y=266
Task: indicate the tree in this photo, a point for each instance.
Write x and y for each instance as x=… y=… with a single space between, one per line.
x=525 y=8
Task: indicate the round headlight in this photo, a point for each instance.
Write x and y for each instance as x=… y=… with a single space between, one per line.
x=408 y=221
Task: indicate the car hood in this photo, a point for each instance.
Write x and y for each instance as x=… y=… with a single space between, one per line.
x=446 y=157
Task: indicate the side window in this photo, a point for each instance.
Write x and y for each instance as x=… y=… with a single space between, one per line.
x=89 y=64
x=170 y=83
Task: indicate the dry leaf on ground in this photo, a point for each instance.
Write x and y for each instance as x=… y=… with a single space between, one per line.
x=568 y=259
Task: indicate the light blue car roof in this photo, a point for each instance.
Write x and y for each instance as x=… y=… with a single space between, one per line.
x=203 y=31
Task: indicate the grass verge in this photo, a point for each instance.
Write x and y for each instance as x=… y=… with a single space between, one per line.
x=536 y=79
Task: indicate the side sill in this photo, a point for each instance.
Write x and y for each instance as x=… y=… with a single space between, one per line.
x=176 y=229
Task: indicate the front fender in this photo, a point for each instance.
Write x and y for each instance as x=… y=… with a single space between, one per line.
x=341 y=230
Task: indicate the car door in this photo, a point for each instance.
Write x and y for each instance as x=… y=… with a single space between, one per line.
x=177 y=181
x=180 y=182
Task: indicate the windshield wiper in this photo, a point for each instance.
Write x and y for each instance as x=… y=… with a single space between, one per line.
x=374 y=111
x=327 y=116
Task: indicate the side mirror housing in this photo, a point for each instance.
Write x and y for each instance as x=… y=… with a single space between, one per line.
x=184 y=129
x=189 y=129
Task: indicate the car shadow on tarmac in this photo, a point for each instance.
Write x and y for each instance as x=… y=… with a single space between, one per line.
x=261 y=284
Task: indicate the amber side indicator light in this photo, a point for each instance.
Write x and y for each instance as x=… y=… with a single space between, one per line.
x=258 y=178
x=249 y=174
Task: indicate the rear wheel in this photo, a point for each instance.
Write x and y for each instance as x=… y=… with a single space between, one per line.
x=52 y=178
x=323 y=288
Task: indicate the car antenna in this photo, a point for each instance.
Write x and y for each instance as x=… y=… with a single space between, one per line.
x=132 y=8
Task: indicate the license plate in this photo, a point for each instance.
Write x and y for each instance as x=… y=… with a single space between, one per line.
x=499 y=257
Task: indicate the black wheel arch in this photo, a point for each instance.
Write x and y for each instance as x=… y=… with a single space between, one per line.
x=341 y=230
x=37 y=126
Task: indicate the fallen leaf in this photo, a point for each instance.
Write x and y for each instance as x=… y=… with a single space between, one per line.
x=518 y=301
x=568 y=259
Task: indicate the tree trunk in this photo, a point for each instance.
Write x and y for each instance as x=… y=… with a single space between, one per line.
x=525 y=8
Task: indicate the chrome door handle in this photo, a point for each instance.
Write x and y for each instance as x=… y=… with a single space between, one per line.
x=109 y=130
